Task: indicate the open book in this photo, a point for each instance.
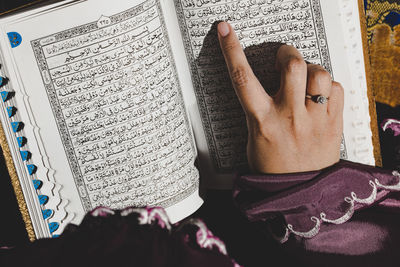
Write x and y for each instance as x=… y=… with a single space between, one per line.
x=128 y=103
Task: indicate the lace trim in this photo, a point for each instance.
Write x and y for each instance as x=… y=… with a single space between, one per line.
x=205 y=238
x=395 y=187
x=347 y=216
x=150 y=215
x=388 y=124
x=313 y=232
x=102 y=212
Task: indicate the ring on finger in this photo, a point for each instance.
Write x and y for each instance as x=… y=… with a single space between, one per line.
x=319 y=99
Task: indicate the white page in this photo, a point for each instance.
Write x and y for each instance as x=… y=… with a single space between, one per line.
x=173 y=175
x=40 y=227
x=205 y=166
x=311 y=26
x=357 y=123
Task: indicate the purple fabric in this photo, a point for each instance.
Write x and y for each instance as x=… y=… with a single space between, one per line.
x=390 y=143
x=131 y=237
x=141 y=237
x=392 y=124
x=316 y=208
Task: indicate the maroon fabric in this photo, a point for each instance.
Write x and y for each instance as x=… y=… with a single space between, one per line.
x=276 y=201
x=392 y=124
x=369 y=238
x=107 y=238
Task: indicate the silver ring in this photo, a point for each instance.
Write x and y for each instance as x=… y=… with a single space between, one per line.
x=319 y=99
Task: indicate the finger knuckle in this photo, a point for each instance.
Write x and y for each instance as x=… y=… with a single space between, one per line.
x=229 y=46
x=239 y=76
x=338 y=93
x=295 y=65
x=319 y=75
x=338 y=86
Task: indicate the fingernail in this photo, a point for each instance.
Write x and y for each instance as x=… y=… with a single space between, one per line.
x=223 y=29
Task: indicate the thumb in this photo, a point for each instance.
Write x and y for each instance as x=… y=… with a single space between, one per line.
x=251 y=94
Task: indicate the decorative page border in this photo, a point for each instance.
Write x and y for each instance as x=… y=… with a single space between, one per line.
x=325 y=59
x=57 y=111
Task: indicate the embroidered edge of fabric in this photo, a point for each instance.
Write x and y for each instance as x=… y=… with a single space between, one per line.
x=352 y=200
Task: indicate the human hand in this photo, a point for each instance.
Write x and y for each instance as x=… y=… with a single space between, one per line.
x=287 y=132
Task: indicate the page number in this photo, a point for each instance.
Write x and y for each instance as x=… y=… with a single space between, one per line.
x=103 y=22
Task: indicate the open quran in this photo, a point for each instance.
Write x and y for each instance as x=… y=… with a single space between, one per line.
x=129 y=103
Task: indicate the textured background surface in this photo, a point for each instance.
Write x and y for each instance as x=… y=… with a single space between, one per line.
x=383 y=30
x=383 y=20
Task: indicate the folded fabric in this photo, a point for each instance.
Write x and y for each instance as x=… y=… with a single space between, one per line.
x=305 y=201
x=392 y=124
x=130 y=237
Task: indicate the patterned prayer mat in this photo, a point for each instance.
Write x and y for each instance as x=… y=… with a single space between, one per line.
x=383 y=30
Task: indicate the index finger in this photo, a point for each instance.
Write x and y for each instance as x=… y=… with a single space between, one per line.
x=251 y=94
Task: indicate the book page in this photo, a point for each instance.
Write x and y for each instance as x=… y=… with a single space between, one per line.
x=312 y=26
x=102 y=92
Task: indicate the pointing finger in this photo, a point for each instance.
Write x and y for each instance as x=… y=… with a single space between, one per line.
x=251 y=94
